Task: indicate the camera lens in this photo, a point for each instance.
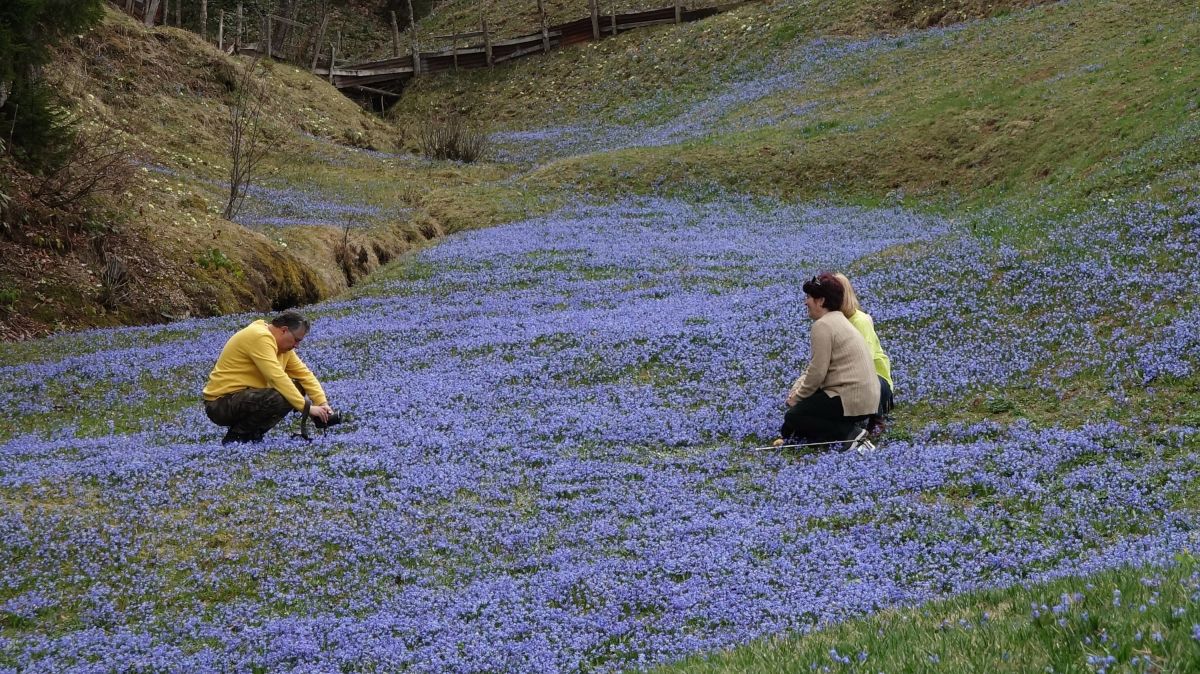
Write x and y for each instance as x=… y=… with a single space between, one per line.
x=333 y=420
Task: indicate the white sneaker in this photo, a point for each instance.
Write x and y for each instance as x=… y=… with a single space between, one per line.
x=858 y=440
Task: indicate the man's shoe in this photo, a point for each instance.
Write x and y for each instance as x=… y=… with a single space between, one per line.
x=231 y=437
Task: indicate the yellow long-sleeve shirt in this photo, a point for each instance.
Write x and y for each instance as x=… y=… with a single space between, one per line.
x=883 y=365
x=251 y=359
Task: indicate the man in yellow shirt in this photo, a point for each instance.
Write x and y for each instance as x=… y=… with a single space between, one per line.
x=259 y=378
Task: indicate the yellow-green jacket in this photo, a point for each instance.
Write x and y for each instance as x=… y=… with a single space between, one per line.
x=866 y=326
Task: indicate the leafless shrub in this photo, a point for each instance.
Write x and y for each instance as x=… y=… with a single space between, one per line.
x=91 y=166
x=10 y=210
x=247 y=142
x=344 y=253
x=5 y=200
x=450 y=138
x=115 y=282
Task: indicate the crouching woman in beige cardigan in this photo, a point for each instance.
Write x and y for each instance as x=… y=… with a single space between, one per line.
x=839 y=388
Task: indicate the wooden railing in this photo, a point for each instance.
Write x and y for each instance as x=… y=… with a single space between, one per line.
x=303 y=44
x=385 y=77
x=150 y=12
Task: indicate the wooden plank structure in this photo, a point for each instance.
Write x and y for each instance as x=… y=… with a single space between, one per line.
x=150 y=12
x=387 y=77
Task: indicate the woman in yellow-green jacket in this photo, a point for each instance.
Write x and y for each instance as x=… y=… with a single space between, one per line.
x=883 y=365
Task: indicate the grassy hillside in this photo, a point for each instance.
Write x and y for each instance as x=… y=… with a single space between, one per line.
x=162 y=96
x=509 y=18
x=766 y=100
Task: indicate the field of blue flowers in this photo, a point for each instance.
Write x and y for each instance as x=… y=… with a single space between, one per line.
x=551 y=466
x=740 y=96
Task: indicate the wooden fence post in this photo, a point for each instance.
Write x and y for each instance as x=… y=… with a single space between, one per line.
x=179 y=13
x=395 y=35
x=237 y=44
x=333 y=56
x=204 y=20
x=416 y=49
x=320 y=43
x=129 y=6
x=454 y=50
x=221 y=32
x=267 y=22
x=487 y=39
x=678 y=13
x=614 y=18
x=545 y=33
x=594 y=5
x=151 y=15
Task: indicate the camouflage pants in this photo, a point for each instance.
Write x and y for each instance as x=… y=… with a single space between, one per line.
x=249 y=413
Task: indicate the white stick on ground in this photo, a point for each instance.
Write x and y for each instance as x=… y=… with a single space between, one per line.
x=863 y=444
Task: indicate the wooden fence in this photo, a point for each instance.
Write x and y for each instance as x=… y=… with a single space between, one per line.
x=386 y=77
x=303 y=44
x=150 y=12
x=238 y=31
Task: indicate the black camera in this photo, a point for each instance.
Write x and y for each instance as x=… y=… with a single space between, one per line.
x=334 y=419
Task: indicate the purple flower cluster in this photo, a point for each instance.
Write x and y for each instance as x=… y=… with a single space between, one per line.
x=312 y=205
x=282 y=207
x=549 y=467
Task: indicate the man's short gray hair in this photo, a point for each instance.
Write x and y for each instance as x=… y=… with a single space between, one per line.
x=291 y=320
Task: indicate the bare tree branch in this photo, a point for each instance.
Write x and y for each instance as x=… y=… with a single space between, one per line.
x=247 y=142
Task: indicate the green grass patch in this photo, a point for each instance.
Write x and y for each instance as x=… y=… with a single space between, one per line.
x=103 y=409
x=972 y=112
x=1126 y=620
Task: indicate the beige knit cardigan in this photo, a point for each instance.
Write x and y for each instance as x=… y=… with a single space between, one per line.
x=841 y=365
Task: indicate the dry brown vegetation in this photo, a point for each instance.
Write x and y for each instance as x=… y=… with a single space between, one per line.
x=929 y=13
x=150 y=244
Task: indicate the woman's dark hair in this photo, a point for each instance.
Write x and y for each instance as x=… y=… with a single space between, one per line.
x=291 y=320
x=825 y=286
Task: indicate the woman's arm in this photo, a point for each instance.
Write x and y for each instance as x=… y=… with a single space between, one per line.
x=818 y=365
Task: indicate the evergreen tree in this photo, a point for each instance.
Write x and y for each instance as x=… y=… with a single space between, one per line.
x=29 y=29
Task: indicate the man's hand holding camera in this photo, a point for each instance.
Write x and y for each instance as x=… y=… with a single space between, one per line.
x=321 y=413
x=324 y=416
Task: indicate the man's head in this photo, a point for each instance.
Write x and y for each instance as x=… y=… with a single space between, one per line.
x=289 y=329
